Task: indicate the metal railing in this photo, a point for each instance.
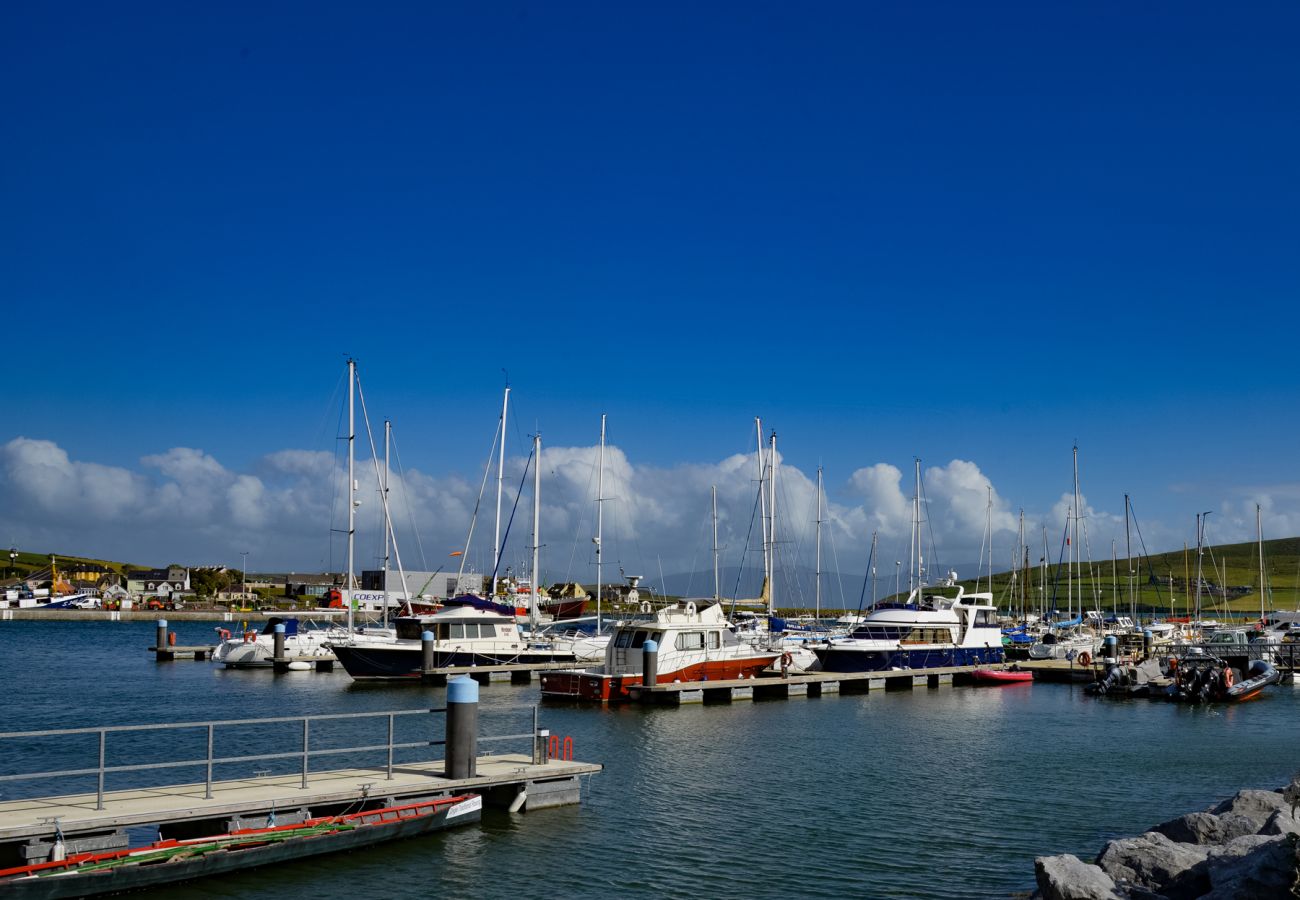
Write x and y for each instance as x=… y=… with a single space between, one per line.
x=306 y=752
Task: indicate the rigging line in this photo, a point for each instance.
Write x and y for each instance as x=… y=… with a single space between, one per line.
x=839 y=576
x=581 y=519
x=1150 y=569
x=1060 y=562
x=410 y=509
x=789 y=574
x=866 y=577
x=518 y=494
x=744 y=550
x=473 y=519
x=934 y=543
x=334 y=496
x=388 y=523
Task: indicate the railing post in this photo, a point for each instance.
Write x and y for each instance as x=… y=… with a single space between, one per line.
x=390 y=746
x=99 y=796
x=207 y=795
x=306 y=738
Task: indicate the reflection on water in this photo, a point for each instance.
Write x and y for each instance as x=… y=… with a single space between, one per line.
x=931 y=793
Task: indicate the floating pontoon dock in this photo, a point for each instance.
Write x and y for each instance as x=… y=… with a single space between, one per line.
x=543 y=776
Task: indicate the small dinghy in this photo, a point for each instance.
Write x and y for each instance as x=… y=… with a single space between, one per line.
x=1001 y=676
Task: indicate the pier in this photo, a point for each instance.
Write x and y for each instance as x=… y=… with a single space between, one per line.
x=515 y=673
x=803 y=684
x=271 y=774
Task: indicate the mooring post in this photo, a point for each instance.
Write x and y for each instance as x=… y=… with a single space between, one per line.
x=426 y=647
x=462 y=727
x=649 y=664
x=1147 y=640
x=160 y=640
x=540 y=740
x=277 y=656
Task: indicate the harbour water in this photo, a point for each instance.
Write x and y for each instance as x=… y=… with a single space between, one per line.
x=946 y=793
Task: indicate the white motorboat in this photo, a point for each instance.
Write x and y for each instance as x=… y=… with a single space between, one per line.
x=256 y=650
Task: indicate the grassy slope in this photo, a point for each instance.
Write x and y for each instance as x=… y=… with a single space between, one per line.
x=1238 y=564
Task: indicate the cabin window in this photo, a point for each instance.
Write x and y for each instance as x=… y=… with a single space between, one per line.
x=623 y=639
x=985 y=619
x=639 y=638
x=715 y=640
x=456 y=632
x=690 y=640
x=657 y=636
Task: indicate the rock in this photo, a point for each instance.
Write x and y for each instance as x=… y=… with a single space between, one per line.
x=1255 y=867
x=1208 y=828
x=1155 y=862
x=1254 y=805
x=1281 y=822
x=1066 y=877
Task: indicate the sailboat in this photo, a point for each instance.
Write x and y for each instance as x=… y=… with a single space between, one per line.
x=468 y=631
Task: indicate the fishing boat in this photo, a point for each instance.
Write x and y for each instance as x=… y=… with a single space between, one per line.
x=171 y=861
x=1002 y=676
x=467 y=631
x=250 y=649
x=694 y=644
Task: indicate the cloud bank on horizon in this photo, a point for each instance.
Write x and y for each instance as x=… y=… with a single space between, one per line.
x=184 y=505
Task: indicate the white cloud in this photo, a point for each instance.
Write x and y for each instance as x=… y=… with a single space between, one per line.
x=185 y=505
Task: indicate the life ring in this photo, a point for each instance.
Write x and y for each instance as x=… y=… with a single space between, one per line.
x=690 y=608
x=250 y=636
x=1228 y=677
x=223 y=633
x=1085 y=658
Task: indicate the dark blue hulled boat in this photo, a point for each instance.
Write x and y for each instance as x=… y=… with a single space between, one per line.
x=467 y=632
x=927 y=632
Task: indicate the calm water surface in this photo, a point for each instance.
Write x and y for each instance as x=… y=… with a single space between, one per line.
x=944 y=794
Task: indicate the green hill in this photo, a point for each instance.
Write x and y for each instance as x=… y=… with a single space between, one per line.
x=1165 y=582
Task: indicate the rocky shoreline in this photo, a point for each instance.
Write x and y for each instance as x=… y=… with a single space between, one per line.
x=1244 y=848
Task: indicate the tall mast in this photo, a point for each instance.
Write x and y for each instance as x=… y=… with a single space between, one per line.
x=501 y=476
x=818 y=576
x=1259 y=531
x=1078 y=511
x=388 y=437
x=1114 y=579
x=1128 y=555
x=914 y=567
x=352 y=484
x=762 y=500
x=771 y=560
x=874 y=535
x=1200 y=554
x=600 y=516
x=537 y=523
x=1024 y=564
x=717 y=580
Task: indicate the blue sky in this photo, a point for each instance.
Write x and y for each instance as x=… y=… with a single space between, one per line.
x=954 y=231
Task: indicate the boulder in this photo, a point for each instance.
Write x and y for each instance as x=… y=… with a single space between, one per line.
x=1254 y=805
x=1281 y=822
x=1155 y=862
x=1255 y=867
x=1066 y=877
x=1208 y=828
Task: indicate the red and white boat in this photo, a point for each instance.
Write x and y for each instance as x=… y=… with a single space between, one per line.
x=695 y=644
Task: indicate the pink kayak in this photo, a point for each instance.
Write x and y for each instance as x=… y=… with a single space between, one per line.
x=1001 y=676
